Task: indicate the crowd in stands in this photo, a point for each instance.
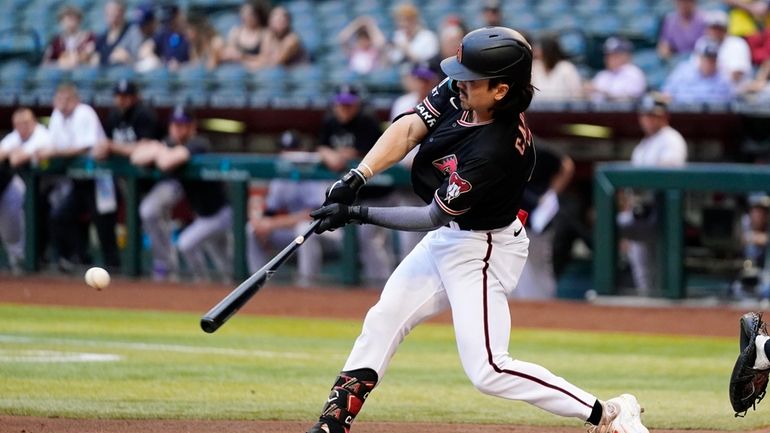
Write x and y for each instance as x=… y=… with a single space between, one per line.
x=150 y=36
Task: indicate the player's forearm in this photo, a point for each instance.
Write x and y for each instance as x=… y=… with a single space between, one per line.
x=407 y=218
x=400 y=137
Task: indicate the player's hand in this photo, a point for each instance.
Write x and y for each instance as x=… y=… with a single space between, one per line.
x=345 y=190
x=337 y=215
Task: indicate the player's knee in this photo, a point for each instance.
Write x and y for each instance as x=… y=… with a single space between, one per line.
x=486 y=380
x=185 y=244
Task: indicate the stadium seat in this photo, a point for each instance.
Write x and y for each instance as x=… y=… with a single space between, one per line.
x=604 y=25
x=643 y=27
x=117 y=73
x=86 y=77
x=591 y=8
x=230 y=76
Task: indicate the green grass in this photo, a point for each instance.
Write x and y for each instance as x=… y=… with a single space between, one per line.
x=281 y=368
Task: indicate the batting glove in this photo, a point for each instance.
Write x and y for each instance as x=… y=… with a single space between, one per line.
x=345 y=190
x=337 y=215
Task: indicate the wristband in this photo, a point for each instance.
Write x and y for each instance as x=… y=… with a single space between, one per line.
x=369 y=169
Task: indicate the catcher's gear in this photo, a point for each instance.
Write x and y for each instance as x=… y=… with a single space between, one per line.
x=491 y=52
x=748 y=384
x=345 y=190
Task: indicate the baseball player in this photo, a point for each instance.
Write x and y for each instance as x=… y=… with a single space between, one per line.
x=17 y=149
x=476 y=155
x=208 y=234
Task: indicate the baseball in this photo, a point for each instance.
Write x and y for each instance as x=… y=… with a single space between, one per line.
x=98 y=278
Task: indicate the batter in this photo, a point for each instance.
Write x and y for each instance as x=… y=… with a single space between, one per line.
x=476 y=155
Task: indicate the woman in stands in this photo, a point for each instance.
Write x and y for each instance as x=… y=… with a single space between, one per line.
x=206 y=45
x=245 y=41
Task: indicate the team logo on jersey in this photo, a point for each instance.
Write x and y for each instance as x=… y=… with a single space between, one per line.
x=457 y=186
x=446 y=165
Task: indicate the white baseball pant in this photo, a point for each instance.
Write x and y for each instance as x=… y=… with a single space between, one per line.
x=472 y=273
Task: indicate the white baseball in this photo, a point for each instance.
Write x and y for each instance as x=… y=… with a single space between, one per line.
x=98 y=278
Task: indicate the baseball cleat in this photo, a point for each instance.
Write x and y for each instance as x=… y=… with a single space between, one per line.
x=323 y=427
x=621 y=415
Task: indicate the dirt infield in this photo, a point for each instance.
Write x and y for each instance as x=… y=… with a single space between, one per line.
x=336 y=303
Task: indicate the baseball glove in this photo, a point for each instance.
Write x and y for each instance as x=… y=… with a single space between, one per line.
x=748 y=385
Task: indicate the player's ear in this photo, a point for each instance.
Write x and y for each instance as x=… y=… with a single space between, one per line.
x=501 y=90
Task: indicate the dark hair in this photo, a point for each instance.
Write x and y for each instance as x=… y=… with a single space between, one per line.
x=260 y=10
x=517 y=99
x=552 y=51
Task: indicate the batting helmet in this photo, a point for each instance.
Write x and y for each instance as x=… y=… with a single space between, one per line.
x=491 y=52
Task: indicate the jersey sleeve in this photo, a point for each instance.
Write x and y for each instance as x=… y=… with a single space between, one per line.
x=436 y=104
x=461 y=189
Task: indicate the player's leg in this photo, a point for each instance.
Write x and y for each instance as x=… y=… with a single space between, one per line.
x=155 y=212
x=479 y=270
x=12 y=222
x=412 y=294
x=192 y=240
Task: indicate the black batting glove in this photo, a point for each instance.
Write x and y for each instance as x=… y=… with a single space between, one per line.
x=337 y=215
x=345 y=190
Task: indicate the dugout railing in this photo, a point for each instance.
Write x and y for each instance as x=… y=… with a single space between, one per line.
x=235 y=170
x=672 y=184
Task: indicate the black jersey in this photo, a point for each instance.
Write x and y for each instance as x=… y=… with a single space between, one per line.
x=475 y=171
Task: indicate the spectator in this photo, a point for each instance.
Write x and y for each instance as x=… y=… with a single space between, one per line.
x=747 y=17
x=492 y=14
x=72 y=47
x=412 y=42
x=283 y=45
x=75 y=130
x=662 y=146
x=128 y=123
x=555 y=77
x=553 y=173
x=347 y=133
x=759 y=44
x=449 y=42
x=209 y=233
x=681 y=29
x=621 y=80
x=117 y=29
x=206 y=45
x=287 y=208
x=141 y=31
x=364 y=42
x=17 y=149
x=169 y=45
x=700 y=81
x=734 y=59
x=758 y=88
x=245 y=42
x=418 y=83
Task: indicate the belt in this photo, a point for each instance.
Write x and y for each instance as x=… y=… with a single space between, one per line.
x=521 y=216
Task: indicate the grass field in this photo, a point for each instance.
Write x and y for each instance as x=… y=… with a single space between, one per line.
x=94 y=363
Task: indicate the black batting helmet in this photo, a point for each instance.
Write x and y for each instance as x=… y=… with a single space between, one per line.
x=491 y=52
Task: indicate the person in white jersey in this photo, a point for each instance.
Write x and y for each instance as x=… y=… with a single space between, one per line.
x=662 y=146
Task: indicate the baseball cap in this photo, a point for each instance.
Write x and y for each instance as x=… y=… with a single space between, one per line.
x=346 y=95
x=759 y=200
x=144 y=14
x=124 y=87
x=168 y=12
x=617 y=44
x=491 y=5
x=716 y=18
x=707 y=48
x=182 y=114
x=653 y=103
x=289 y=140
x=424 y=71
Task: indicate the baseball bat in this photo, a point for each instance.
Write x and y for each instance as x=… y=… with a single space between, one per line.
x=220 y=313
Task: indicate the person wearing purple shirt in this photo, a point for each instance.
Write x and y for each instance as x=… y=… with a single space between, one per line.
x=701 y=81
x=681 y=28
